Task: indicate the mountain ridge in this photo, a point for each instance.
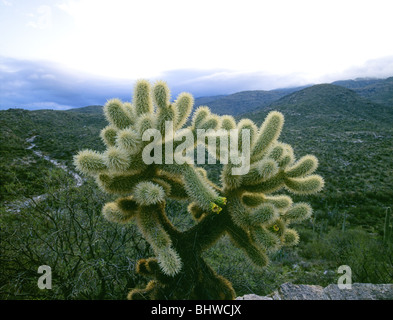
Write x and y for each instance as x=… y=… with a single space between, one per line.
x=332 y=102
x=376 y=90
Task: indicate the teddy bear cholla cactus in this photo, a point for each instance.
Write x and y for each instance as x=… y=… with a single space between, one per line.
x=246 y=207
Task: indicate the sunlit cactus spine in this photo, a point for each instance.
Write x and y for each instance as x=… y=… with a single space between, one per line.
x=140 y=167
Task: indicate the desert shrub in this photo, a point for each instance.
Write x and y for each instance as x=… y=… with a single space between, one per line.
x=89 y=257
x=369 y=258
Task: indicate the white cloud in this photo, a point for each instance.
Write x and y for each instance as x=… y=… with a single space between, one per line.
x=42 y=19
x=374 y=68
x=143 y=38
x=45 y=105
x=6 y=3
x=38 y=84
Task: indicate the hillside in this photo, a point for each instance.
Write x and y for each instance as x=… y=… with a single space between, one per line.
x=376 y=90
x=333 y=103
x=59 y=134
x=358 y=83
x=89 y=109
x=234 y=104
x=244 y=101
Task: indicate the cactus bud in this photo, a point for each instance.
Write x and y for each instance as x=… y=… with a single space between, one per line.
x=169 y=261
x=147 y=193
x=112 y=212
x=230 y=181
x=145 y=122
x=299 y=212
x=142 y=101
x=308 y=185
x=261 y=171
x=130 y=111
x=265 y=213
x=130 y=140
x=290 y=238
x=276 y=151
x=200 y=115
x=161 y=94
x=253 y=200
x=266 y=239
x=108 y=135
x=211 y=122
x=221 y=201
x=228 y=122
x=90 y=162
x=271 y=185
x=268 y=133
x=116 y=114
x=166 y=114
x=198 y=188
x=183 y=106
x=247 y=124
x=304 y=166
x=280 y=202
x=116 y=159
x=287 y=157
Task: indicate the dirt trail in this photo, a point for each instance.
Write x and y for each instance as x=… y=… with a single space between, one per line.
x=16 y=206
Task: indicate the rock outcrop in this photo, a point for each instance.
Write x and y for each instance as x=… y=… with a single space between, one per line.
x=359 y=291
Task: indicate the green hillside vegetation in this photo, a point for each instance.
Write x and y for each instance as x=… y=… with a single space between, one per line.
x=204 y=101
x=59 y=134
x=244 y=101
x=89 y=109
x=376 y=90
x=349 y=134
x=358 y=83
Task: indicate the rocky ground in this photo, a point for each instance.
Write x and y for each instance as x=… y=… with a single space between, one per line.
x=358 y=291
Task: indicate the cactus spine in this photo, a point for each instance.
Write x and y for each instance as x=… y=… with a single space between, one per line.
x=244 y=206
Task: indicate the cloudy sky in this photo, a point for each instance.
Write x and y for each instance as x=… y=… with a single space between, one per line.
x=72 y=53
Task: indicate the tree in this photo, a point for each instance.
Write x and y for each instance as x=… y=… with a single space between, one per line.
x=149 y=158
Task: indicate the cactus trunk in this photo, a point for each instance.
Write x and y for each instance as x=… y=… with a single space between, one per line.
x=196 y=280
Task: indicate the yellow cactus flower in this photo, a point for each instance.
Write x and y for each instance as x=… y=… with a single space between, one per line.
x=215 y=208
